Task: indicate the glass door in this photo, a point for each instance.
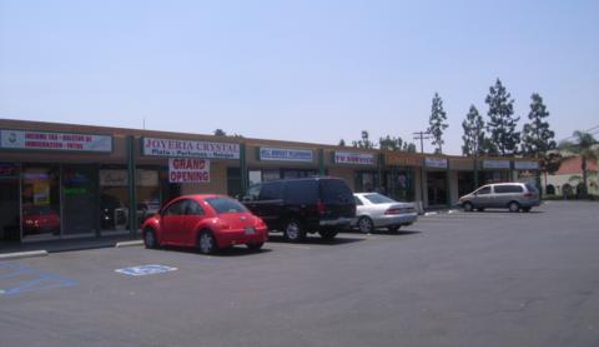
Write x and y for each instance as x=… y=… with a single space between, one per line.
x=79 y=201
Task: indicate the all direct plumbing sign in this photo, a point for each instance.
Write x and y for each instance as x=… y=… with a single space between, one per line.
x=188 y=170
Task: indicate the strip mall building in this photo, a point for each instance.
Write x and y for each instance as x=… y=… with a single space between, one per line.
x=65 y=181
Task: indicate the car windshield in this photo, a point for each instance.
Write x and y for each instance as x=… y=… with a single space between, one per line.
x=226 y=205
x=377 y=198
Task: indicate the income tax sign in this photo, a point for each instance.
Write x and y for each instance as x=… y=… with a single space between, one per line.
x=188 y=170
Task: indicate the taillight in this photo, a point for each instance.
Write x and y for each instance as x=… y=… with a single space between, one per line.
x=321 y=207
x=529 y=195
x=393 y=211
x=260 y=223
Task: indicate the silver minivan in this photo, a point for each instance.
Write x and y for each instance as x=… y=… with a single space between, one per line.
x=513 y=196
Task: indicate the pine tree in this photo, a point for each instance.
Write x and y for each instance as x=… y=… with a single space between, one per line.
x=537 y=138
x=502 y=123
x=474 y=135
x=341 y=143
x=364 y=142
x=395 y=144
x=436 y=123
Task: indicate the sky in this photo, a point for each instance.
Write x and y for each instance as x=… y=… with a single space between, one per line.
x=306 y=71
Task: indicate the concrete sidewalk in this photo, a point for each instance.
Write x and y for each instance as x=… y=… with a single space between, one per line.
x=65 y=245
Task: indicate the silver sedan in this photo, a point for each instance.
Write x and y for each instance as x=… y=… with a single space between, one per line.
x=374 y=210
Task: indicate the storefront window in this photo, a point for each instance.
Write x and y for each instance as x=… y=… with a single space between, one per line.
x=9 y=203
x=366 y=181
x=114 y=200
x=400 y=184
x=148 y=194
x=41 y=202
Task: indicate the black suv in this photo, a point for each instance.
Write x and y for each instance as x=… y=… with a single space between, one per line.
x=305 y=205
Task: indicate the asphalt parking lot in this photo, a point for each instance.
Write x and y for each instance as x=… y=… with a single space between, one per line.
x=461 y=279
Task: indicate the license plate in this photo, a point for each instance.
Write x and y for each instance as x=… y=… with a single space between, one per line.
x=250 y=231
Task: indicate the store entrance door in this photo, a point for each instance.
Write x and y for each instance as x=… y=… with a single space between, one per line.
x=437 y=188
x=9 y=209
x=79 y=207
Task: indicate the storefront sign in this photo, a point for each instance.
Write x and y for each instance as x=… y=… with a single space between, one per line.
x=119 y=178
x=7 y=170
x=496 y=164
x=401 y=159
x=40 y=140
x=279 y=154
x=188 y=170
x=526 y=165
x=354 y=158
x=189 y=149
x=438 y=163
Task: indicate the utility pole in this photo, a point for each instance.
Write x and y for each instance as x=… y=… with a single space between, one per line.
x=422 y=135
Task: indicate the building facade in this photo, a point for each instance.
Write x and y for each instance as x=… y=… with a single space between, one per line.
x=62 y=181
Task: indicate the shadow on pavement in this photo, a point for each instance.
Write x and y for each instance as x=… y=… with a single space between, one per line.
x=315 y=239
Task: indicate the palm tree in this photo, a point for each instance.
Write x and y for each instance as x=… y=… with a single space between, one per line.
x=584 y=147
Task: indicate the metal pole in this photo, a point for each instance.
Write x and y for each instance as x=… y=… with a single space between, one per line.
x=132 y=185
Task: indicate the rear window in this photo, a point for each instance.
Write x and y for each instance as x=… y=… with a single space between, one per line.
x=335 y=191
x=301 y=192
x=376 y=198
x=271 y=191
x=226 y=205
x=509 y=189
x=531 y=188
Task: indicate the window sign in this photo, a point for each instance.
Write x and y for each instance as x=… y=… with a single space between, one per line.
x=354 y=158
x=188 y=170
x=526 y=165
x=40 y=140
x=496 y=164
x=280 y=154
x=439 y=163
x=8 y=170
x=189 y=149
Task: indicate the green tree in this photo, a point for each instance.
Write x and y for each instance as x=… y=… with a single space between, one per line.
x=474 y=134
x=584 y=147
x=395 y=144
x=341 y=143
x=502 y=123
x=364 y=142
x=220 y=132
x=537 y=138
x=437 y=123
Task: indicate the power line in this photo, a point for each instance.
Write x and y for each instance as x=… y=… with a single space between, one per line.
x=586 y=131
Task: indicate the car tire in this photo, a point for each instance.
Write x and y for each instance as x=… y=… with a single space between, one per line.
x=255 y=246
x=526 y=209
x=294 y=232
x=394 y=228
x=365 y=225
x=207 y=242
x=468 y=207
x=481 y=209
x=328 y=234
x=513 y=206
x=150 y=241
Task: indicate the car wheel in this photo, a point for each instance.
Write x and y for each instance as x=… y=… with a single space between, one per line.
x=294 y=232
x=394 y=228
x=526 y=209
x=150 y=239
x=365 y=225
x=513 y=206
x=468 y=207
x=328 y=234
x=255 y=246
x=480 y=209
x=207 y=243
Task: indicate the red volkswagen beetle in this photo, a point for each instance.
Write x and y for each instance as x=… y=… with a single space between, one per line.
x=208 y=222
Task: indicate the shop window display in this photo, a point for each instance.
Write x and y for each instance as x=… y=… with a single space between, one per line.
x=41 y=202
